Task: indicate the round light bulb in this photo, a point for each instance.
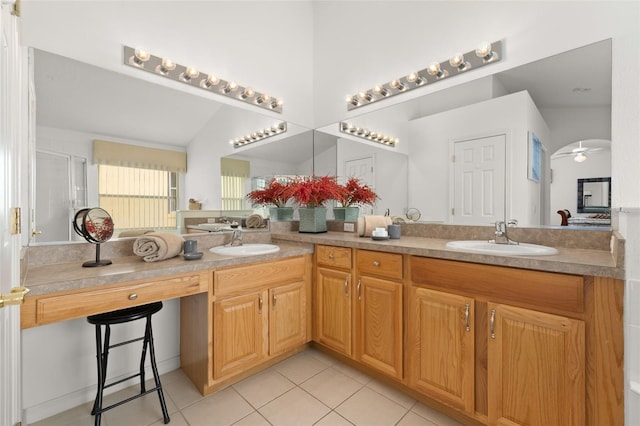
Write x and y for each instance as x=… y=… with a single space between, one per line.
x=192 y=72
x=456 y=60
x=412 y=77
x=434 y=68
x=142 y=55
x=483 y=50
x=580 y=158
x=168 y=64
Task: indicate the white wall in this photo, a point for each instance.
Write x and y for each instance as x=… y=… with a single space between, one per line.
x=430 y=141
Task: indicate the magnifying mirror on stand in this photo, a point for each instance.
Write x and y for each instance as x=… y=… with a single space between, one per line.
x=96 y=226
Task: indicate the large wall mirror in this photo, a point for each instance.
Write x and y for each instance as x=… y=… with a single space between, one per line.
x=561 y=101
x=77 y=103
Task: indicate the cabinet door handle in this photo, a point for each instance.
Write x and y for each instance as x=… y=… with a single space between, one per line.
x=376 y=263
x=492 y=324
x=273 y=298
x=346 y=286
x=260 y=304
x=358 y=289
x=331 y=256
x=133 y=296
x=467 y=307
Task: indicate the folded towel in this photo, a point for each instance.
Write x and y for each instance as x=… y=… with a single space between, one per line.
x=370 y=223
x=158 y=246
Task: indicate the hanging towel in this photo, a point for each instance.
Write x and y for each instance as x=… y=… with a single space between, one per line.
x=158 y=246
x=370 y=223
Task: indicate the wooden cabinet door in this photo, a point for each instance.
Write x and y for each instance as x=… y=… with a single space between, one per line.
x=379 y=325
x=239 y=333
x=442 y=346
x=536 y=368
x=287 y=317
x=333 y=309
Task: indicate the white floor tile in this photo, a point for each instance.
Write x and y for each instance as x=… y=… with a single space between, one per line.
x=331 y=387
x=294 y=408
x=391 y=393
x=333 y=419
x=263 y=387
x=223 y=408
x=253 y=419
x=370 y=408
x=300 y=367
x=433 y=415
x=412 y=419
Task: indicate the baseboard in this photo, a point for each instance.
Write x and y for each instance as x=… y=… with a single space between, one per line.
x=84 y=395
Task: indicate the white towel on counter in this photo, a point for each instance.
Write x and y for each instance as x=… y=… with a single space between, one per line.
x=367 y=224
x=158 y=246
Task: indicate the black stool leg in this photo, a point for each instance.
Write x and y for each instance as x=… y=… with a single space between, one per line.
x=154 y=368
x=143 y=357
x=102 y=355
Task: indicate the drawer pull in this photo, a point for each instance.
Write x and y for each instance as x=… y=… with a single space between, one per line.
x=492 y=324
x=358 y=289
x=260 y=304
x=274 y=298
x=346 y=286
x=466 y=317
x=331 y=256
x=376 y=263
x=133 y=296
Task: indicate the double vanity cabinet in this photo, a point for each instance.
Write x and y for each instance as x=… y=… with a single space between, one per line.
x=503 y=346
x=485 y=344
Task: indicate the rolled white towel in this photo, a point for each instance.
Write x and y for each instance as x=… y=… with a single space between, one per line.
x=370 y=223
x=158 y=246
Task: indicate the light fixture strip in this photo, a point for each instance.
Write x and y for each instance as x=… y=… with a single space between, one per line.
x=485 y=54
x=369 y=135
x=187 y=75
x=260 y=135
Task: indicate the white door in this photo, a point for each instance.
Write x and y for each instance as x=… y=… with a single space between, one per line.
x=361 y=168
x=479 y=181
x=10 y=119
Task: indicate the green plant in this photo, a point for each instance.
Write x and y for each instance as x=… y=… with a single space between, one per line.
x=314 y=191
x=275 y=192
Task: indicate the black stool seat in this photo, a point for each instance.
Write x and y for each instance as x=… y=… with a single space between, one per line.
x=102 y=349
x=125 y=315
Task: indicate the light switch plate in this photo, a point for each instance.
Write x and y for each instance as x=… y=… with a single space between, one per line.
x=349 y=227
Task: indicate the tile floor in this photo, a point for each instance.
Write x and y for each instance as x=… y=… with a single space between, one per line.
x=309 y=388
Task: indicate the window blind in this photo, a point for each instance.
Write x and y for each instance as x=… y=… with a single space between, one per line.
x=125 y=155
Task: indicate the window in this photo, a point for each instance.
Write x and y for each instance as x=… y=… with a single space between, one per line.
x=234 y=174
x=138 y=198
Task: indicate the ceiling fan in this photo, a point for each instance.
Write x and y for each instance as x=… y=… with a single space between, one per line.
x=579 y=153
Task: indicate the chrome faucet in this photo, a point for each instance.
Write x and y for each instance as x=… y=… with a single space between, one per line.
x=236 y=238
x=501 y=234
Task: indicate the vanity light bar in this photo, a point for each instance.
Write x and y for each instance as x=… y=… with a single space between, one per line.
x=276 y=129
x=369 y=135
x=485 y=54
x=165 y=67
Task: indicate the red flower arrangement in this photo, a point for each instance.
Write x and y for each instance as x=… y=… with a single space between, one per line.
x=276 y=193
x=315 y=191
x=356 y=194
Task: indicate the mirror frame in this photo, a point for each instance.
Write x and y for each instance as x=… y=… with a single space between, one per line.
x=593 y=209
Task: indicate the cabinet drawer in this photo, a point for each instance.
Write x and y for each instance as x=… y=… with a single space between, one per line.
x=75 y=305
x=542 y=289
x=337 y=257
x=388 y=265
x=261 y=275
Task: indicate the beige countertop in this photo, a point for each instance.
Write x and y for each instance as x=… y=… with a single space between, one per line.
x=72 y=276
x=569 y=260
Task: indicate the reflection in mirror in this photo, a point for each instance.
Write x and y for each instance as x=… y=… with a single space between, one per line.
x=594 y=195
x=443 y=132
x=77 y=103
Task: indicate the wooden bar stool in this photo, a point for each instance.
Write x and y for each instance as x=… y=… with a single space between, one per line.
x=102 y=354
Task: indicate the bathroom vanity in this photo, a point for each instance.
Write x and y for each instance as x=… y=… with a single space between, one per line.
x=485 y=339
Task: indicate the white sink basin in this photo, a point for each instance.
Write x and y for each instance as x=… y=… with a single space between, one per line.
x=245 y=250
x=486 y=247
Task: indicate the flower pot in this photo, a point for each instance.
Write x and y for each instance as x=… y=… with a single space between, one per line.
x=280 y=213
x=313 y=219
x=348 y=214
